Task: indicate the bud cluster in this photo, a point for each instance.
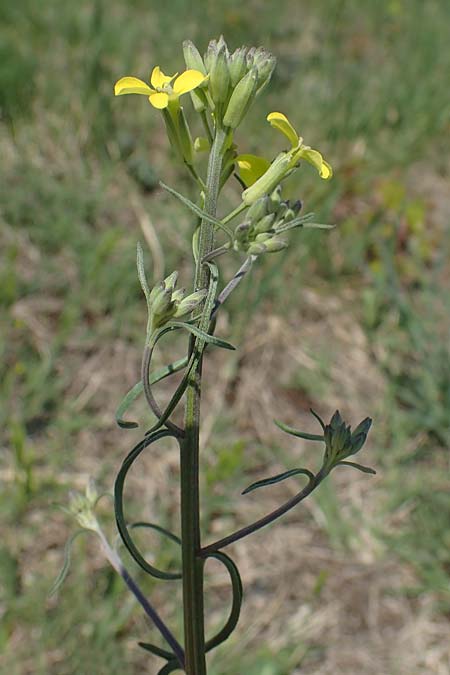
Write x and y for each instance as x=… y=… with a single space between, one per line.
x=166 y=303
x=265 y=219
x=234 y=79
x=81 y=506
x=340 y=441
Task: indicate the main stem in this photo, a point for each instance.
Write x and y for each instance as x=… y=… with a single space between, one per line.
x=192 y=562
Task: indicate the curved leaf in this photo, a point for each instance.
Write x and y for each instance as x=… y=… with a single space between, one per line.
x=169 y=668
x=67 y=558
x=138 y=388
x=299 y=434
x=277 y=479
x=119 y=511
x=206 y=337
x=235 y=611
x=360 y=467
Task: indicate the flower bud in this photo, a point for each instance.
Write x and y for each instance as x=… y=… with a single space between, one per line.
x=242 y=230
x=210 y=55
x=262 y=237
x=270 y=179
x=256 y=249
x=258 y=209
x=177 y=296
x=219 y=77
x=275 y=199
x=265 y=224
x=190 y=302
x=171 y=281
x=241 y=99
x=160 y=307
x=250 y=57
x=199 y=100
x=237 y=65
x=274 y=244
x=192 y=57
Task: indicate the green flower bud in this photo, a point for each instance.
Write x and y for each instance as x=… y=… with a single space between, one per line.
x=219 y=77
x=177 y=296
x=237 y=65
x=190 y=302
x=274 y=244
x=171 y=281
x=250 y=56
x=160 y=308
x=192 y=57
x=199 y=100
x=242 y=230
x=270 y=179
x=258 y=209
x=221 y=44
x=340 y=442
x=210 y=55
x=265 y=224
x=241 y=99
x=156 y=290
x=256 y=249
x=275 y=199
x=262 y=237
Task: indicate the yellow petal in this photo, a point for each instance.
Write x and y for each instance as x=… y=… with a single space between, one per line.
x=131 y=85
x=251 y=167
x=315 y=158
x=158 y=79
x=159 y=100
x=281 y=122
x=187 y=81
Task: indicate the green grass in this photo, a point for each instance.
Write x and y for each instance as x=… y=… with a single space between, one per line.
x=367 y=83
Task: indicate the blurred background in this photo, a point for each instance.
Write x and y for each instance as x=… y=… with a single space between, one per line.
x=357 y=580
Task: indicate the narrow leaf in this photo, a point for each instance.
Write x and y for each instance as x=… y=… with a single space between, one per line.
x=141 y=271
x=299 y=434
x=66 y=564
x=360 y=467
x=158 y=651
x=277 y=479
x=169 y=668
x=197 y=210
x=206 y=337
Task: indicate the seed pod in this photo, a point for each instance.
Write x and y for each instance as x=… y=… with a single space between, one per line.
x=270 y=179
x=237 y=65
x=241 y=99
x=192 y=57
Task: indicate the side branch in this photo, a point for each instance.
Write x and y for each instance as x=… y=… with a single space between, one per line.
x=265 y=520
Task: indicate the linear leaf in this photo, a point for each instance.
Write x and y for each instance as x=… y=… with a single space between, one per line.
x=67 y=558
x=277 y=479
x=197 y=210
x=360 y=467
x=206 y=337
x=299 y=434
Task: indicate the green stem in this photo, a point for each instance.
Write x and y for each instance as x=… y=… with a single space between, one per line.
x=192 y=561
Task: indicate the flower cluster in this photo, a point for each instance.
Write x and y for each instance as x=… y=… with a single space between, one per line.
x=166 y=303
x=233 y=80
x=340 y=441
x=265 y=220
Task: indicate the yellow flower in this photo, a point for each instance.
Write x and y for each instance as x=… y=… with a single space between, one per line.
x=165 y=88
x=299 y=151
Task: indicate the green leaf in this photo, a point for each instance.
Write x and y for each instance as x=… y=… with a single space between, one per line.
x=141 y=271
x=67 y=557
x=169 y=668
x=157 y=651
x=360 y=467
x=198 y=211
x=277 y=479
x=299 y=434
x=127 y=400
x=138 y=388
x=236 y=585
x=206 y=337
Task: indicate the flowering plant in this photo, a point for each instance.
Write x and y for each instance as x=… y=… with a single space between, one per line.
x=222 y=87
